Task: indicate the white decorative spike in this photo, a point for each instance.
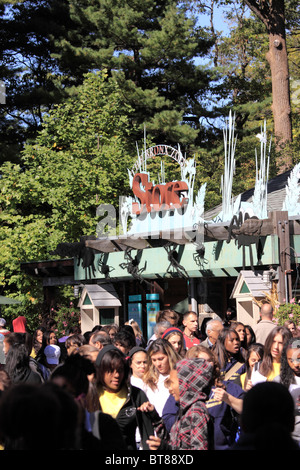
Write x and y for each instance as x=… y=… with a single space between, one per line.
x=292 y=192
x=229 y=168
x=260 y=196
x=200 y=201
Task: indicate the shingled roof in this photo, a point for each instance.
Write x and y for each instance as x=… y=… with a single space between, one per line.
x=255 y=284
x=103 y=295
x=276 y=195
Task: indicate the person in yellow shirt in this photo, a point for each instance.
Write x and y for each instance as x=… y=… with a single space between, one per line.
x=120 y=399
x=275 y=342
x=37 y=340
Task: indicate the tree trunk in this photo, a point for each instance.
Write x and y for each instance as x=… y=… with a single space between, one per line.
x=281 y=106
x=271 y=13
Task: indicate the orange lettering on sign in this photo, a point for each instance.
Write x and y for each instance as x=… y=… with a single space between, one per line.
x=159 y=197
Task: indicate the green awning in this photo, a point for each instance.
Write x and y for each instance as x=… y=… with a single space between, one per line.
x=181 y=307
x=8 y=300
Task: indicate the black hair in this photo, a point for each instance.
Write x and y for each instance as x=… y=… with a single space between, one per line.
x=268 y=415
x=125 y=338
x=17 y=361
x=112 y=359
x=220 y=349
x=48 y=404
x=259 y=350
x=75 y=340
x=251 y=331
x=287 y=375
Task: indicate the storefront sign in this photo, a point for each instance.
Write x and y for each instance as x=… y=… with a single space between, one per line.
x=163 y=206
x=157 y=150
x=157 y=197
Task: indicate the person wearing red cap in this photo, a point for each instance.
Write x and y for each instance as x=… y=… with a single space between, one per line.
x=19 y=324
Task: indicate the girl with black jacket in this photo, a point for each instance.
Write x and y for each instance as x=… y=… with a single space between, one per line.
x=121 y=400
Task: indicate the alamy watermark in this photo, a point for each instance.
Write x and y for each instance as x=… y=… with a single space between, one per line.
x=2 y=92
x=295 y=92
x=107 y=227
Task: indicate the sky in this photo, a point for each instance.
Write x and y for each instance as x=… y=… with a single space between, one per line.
x=220 y=23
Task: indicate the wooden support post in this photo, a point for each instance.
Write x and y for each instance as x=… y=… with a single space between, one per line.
x=192 y=295
x=282 y=230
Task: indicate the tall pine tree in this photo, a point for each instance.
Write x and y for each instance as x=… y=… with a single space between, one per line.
x=151 y=47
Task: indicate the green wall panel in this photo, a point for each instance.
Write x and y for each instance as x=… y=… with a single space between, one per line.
x=220 y=259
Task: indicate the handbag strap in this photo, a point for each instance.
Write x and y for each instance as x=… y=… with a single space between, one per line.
x=232 y=370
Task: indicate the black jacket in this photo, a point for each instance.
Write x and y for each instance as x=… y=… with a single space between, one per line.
x=129 y=418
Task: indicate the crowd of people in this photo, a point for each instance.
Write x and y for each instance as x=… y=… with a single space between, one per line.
x=221 y=386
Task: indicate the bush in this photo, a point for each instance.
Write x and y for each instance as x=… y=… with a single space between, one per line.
x=290 y=311
x=66 y=318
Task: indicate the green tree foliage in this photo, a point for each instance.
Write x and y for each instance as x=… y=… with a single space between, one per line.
x=31 y=75
x=293 y=44
x=78 y=161
x=150 y=46
x=80 y=130
x=246 y=80
x=246 y=88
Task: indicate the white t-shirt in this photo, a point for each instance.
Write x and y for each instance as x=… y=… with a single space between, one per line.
x=137 y=382
x=294 y=390
x=159 y=396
